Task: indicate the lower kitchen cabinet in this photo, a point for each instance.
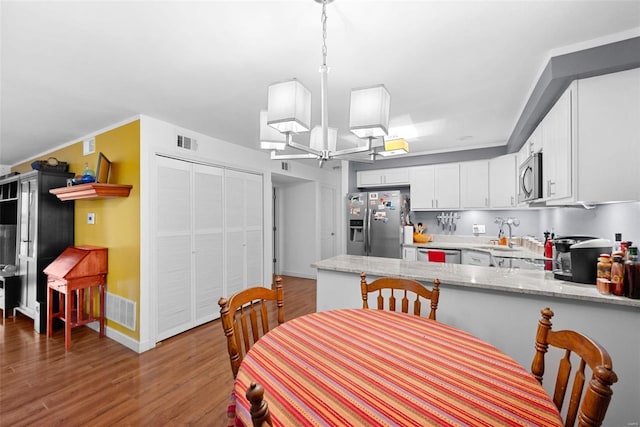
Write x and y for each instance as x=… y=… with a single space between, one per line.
x=409 y=253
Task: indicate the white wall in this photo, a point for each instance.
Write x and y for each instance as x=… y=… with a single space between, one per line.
x=603 y=221
x=299 y=214
x=5 y=169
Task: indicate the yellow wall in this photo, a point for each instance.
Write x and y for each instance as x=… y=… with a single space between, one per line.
x=117 y=221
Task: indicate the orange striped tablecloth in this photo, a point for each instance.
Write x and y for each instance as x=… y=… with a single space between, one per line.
x=375 y=368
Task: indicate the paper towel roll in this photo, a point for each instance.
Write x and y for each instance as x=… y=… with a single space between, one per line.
x=408 y=235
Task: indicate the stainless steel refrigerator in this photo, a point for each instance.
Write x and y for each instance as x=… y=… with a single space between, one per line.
x=375 y=222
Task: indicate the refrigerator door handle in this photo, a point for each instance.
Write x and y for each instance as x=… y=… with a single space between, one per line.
x=368 y=237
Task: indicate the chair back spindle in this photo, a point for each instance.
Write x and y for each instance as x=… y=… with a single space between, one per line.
x=409 y=289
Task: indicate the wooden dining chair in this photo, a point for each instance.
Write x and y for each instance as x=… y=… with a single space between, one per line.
x=596 y=398
x=245 y=318
x=260 y=416
x=407 y=287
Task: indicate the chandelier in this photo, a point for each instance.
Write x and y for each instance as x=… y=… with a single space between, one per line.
x=289 y=113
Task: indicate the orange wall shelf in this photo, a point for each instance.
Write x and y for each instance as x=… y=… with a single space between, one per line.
x=91 y=191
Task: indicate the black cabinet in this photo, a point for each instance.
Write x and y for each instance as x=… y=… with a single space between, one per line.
x=44 y=231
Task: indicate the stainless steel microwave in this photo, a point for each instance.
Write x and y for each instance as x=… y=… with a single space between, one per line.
x=530 y=178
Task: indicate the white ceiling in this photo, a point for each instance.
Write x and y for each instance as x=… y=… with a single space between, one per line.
x=459 y=72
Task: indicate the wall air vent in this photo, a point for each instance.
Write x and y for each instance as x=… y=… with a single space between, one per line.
x=187 y=143
x=120 y=310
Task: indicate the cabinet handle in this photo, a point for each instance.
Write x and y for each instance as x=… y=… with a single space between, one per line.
x=436 y=203
x=486 y=202
x=549 y=184
x=431 y=202
x=511 y=200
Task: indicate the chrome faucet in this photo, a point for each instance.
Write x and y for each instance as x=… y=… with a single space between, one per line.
x=510 y=221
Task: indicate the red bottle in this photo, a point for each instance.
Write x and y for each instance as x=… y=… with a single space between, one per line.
x=548 y=251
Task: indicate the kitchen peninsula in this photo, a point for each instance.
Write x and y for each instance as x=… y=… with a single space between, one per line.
x=502 y=306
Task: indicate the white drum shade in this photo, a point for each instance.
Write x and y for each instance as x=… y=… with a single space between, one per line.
x=289 y=107
x=369 y=111
x=270 y=139
x=316 y=139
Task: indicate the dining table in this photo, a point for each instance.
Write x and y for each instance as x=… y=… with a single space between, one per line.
x=368 y=367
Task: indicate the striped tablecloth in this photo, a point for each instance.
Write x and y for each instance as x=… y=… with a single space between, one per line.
x=374 y=368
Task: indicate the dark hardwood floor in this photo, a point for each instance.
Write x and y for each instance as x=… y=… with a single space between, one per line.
x=185 y=380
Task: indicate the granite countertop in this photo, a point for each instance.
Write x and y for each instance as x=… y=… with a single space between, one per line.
x=494 y=278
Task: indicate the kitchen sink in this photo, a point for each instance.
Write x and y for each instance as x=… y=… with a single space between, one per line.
x=499 y=248
x=504 y=248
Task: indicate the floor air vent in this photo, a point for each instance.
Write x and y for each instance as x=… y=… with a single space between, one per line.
x=187 y=143
x=121 y=310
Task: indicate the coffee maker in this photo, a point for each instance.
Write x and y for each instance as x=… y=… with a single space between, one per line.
x=562 y=256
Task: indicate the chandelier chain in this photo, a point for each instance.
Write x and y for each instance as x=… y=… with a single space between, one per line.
x=324 y=32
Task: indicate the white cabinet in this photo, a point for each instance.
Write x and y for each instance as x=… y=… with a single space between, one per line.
x=472 y=257
x=474 y=184
x=409 y=253
x=591 y=141
x=435 y=187
x=608 y=136
x=533 y=145
x=557 y=148
x=383 y=178
x=503 y=181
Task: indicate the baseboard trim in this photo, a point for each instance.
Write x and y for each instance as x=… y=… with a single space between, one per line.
x=120 y=338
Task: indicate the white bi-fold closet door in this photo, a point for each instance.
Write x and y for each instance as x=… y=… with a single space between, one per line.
x=209 y=240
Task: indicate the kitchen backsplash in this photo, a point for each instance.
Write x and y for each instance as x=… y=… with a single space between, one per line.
x=602 y=221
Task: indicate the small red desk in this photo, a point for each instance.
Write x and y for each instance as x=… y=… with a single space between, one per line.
x=76 y=269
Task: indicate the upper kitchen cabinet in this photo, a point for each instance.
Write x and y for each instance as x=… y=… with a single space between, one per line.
x=591 y=141
x=503 y=181
x=474 y=184
x=383 y=178
x=533 y=145
x=435 y=187
x=557 y=148
x=608 y=136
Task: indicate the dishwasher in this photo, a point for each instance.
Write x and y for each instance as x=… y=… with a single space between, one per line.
x=451 y=256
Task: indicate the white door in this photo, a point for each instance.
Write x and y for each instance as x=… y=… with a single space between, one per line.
x=208 y=234
x=173 y=239
x=243 y=215
x=327 y=222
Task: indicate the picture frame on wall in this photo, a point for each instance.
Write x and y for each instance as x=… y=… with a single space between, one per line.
x=103 y=170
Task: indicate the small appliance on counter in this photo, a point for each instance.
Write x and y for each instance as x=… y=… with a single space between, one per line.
x=584 y=259
x=562 y=255
x=576 y=257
